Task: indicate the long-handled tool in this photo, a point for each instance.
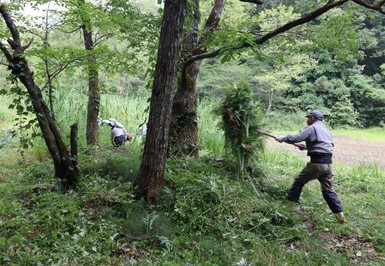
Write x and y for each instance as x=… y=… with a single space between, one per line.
x=300 y=146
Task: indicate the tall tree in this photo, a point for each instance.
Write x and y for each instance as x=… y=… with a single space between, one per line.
x=184 y=124
x=65 y=163
x=93 y=76
x=151 y=173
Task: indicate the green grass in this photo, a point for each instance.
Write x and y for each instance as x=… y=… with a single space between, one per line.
x=206 y=215
x=372 y=134
x=6 y=115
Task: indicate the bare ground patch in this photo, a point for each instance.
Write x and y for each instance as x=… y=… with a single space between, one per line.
x=347 y=150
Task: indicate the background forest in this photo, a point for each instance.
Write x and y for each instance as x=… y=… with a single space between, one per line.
x=333 y=63
x=272 y=61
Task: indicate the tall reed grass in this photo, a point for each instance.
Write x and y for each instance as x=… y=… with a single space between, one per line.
x=211 y=138
x=131 y=112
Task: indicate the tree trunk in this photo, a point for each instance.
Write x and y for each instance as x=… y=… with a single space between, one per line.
x=150 y=178
x=93 y=81
x=93 y=105
x=74 y=148
x=65 y=168
x=184 y=122
x=184 y=125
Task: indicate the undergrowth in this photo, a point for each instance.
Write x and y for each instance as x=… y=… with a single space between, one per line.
x=206 y=215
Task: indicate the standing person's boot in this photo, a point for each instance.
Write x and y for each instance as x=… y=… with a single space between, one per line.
x=340 y=217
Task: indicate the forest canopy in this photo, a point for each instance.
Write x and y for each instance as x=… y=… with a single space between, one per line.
x=333 y=61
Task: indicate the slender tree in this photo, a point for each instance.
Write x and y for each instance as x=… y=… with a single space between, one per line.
x=151 y=173
x=65 y=163
x=93 y=76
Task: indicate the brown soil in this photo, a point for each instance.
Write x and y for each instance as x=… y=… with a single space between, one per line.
x=347 y=150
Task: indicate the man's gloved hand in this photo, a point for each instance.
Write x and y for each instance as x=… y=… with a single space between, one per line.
x=279 y=139
x=301 y=146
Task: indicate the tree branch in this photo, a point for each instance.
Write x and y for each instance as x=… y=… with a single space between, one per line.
x=25 y=47
x=58 y=71
x=292 y=24
x=15 y=41
x=258 y=2
x=101 y=38
x=4 y=64
x=303 y=20
x=75 y=30
x=211 y=25
x=213 y=20
x=377 y=7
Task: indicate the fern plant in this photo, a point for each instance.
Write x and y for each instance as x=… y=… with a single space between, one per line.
x=242 y=118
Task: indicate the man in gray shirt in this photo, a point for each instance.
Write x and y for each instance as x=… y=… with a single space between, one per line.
x=319 y=146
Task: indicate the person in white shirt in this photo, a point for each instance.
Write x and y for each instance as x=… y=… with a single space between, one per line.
x=142 y=132
x=119 y=133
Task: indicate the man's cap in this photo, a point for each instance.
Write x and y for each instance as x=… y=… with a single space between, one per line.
x=316 y=115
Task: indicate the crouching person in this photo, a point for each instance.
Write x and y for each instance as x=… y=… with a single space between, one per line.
x=142 y=132
x=119 y=134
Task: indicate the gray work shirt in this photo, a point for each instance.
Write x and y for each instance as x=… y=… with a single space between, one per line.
x=318 y=139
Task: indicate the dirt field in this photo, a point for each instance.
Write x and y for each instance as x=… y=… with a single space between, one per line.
x=347 y=150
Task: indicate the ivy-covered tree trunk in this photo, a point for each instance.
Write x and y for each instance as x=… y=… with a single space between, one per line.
x=184 y=123
x=65 y=165
x=93 y=79
x=150 y=178
x=184 y=126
